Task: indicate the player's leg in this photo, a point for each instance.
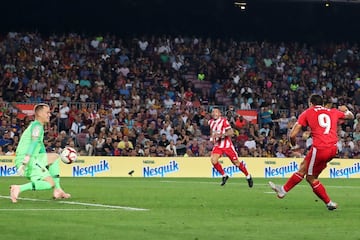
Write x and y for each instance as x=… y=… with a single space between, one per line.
x=215 y=156
x=215 y=162
x=53 y=164
x=40 y=180
x=54 y=167
x=15 y=190
x=232 y=155
x=322 y=157
x=320 y=191
x=294 y=179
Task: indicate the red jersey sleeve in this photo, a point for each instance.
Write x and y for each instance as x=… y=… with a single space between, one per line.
x=323 y=123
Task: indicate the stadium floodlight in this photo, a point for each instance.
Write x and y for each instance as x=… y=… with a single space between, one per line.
x=241 y=5
x=327 y=3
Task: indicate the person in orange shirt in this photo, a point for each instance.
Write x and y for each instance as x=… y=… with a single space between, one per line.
x=240 y=122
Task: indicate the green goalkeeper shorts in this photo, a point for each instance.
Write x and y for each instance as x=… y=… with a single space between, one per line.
x=36 y=169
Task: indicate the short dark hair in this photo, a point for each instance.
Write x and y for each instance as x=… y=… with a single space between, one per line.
x=316 y=99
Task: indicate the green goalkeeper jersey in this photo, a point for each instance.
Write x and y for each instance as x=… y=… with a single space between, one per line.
x=31 y=142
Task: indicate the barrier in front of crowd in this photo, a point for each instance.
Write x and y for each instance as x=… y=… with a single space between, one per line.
x=168 y=167
x=26 y=109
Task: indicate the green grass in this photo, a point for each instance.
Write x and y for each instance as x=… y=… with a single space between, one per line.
x=190 y=208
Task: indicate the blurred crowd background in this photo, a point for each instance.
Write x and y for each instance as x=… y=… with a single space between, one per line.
x=152 y=95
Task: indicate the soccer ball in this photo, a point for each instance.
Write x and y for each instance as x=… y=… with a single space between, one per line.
x=68 y=155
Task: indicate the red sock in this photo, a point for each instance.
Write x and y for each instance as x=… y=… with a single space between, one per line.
x=320 y=191
x=293 y=181
x=219 y=168
x=243 y=168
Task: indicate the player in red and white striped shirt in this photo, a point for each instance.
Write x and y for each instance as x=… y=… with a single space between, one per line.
x=221 y=133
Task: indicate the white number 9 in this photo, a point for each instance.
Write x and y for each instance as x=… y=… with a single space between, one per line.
x=325 y=122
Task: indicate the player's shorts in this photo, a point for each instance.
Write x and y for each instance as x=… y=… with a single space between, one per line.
x=317 y=159
x=36 y=169
x=229 y=152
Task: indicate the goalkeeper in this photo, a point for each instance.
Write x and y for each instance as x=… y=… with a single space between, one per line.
x=33 y=162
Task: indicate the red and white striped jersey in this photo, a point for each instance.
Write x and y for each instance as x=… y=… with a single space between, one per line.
x=220 y=125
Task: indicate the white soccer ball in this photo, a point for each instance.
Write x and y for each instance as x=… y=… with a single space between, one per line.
x=68 y=155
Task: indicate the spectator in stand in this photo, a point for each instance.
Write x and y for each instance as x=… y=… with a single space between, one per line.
x=245 y=105
x=90 y=143
x=240 y=122
x=265 y=117
x=250 y=143
x=266 y=130
x=168 y=102
x=170 y=149
x=193 y=149
x=152 y=150
x=160 y=151
x=99 y=143
x=6 y=140
x=205 y=129
x=279 y=152
x=108 y=147
x=242 y=137
x=10 y=151
x=172 y=136
x=152 y=131
x=64 y=116
x=282 y=123
x=76 y=127
x=74 y=111
x=163 y=141
x=188 y=95
x=125 y=144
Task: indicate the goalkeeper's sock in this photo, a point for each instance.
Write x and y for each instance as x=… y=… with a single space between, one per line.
x=320 y=191
x=26 y=187
x=37 y=185
x=54 y=170
x=293 y=181
x=219 y=168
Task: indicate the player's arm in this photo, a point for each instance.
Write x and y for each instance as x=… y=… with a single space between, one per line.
x=35 y=135
x=229 y=132
x=29 y=152
x=211 y=135
x=293 y=133
x=346 y=111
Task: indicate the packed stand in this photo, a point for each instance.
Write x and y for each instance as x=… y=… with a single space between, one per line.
x=152 y=96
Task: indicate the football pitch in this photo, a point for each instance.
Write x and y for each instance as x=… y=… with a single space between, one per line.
x=179 y=208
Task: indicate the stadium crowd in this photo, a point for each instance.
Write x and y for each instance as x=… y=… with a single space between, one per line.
x=152 y=95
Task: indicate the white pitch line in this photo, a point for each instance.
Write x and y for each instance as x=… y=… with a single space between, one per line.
x=104 y=206
x=54 y=209
x=83 y=204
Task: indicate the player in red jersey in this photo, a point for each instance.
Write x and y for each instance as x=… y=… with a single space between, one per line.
x=323 y=123
x=221 y=133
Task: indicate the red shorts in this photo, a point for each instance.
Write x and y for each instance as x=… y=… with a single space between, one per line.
x=229 y=152
x=317 y=159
